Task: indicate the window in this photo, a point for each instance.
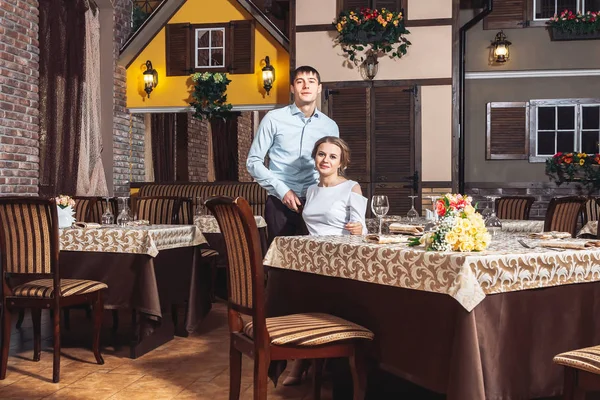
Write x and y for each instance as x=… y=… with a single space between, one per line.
x=210 y=47
x=564 y=125
x=545 y=9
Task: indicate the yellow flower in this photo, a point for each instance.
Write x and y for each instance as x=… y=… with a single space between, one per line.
x=339 y=27
x=458 y=229
x=467 y=245
x=396 y=23
x=582 y=161
x=388 y=17
x=469 y=210
x=581 y=155
x=451 y=238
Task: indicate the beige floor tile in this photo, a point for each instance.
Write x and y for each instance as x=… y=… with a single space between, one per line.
x=206 y=391
x=70 y=393
x=30 y=388
x=106 y=381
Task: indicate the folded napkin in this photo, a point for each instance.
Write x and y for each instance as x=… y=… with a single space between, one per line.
x=139 y=222
x=385 y=239
x=89 y=225
x=571 y=245
x=405 y=228
x=550 y=235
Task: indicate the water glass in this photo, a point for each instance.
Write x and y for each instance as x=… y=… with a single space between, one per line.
x=412 y=213
x=493 y=223
x=124 y=216
x=380 y=207
x=107 y=217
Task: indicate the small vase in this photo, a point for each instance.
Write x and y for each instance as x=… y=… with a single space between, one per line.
x=65 y=216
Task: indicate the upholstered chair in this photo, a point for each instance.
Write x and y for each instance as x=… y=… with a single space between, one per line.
x=312 y=336
x=514 y=207
x=29 y=247
x=159 y=210
x=582 y=372
x=562 y=214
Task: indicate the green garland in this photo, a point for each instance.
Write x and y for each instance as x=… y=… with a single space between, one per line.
x=210 y=100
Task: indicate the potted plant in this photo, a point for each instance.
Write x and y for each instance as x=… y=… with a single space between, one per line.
x=378 y=32
x=210 y=100
x=575 y=26
x=575 y=167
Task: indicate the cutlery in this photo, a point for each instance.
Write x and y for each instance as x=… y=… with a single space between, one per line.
x=522 y=243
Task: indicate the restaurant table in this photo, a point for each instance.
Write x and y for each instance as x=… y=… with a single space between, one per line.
x=471 y=325
x=210 y=229
x=147 y=269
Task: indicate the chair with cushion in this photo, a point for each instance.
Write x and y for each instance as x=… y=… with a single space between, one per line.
x=83 y=207
x=591 y=210
x=158 y=210
x=299 y=336
x=29 y=247
x=562 y=214
x=100 y=206
x=582 y=372
x=514 y=207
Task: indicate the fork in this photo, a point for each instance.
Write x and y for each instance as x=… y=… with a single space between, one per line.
x=522 y=243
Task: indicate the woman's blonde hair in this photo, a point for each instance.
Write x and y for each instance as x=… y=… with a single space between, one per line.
x=341 y=143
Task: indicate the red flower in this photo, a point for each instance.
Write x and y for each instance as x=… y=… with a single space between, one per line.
x=440 y=208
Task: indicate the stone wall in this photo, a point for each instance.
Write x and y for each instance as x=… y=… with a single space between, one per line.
x=197 y=149
x=245 y=137
x=128 y=146
x=19 y=97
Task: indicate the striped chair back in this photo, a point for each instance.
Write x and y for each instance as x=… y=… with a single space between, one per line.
x=562 y=214
x=591 y=210
x=28 y=235
x=158 y=210
x=83 y=207
x=514 y=207
x=244 y=268
x=255 y=195
x=100 y=207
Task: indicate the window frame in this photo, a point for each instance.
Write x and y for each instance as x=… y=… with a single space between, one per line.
x=533 y=122
x=194 y=45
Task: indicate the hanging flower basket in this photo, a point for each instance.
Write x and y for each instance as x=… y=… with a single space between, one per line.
x=574 y=26
x=378 y=31
x=210 y=100
x=575 y=167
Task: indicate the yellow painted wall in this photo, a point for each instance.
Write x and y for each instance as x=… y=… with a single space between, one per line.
x=244 y=89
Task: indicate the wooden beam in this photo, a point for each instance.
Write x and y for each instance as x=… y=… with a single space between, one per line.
x=266 y=23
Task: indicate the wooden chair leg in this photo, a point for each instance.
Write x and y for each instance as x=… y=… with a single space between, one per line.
x=571 y=391
x=56 y=359
x=5 y=341
x=235 y=372
x=98 y=311
x=261 y=368
x=358 y=369
x=317 y=377
x=21 y=318
x=36 y=318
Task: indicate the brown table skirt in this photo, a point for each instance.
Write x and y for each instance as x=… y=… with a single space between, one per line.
x=501 y=350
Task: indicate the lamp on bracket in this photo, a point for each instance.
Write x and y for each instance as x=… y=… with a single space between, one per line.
x=268 y=75
x=150 y=78
x=500 y=45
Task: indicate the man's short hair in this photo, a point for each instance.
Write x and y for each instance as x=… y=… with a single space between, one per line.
x=305 y=69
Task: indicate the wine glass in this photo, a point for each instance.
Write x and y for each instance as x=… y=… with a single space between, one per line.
x=107 y=217
x=412 y=213
x=486 y=212
x=430 y=225
x=493 y=223
x=124 y=216
x=380 y=207
x=199 y=212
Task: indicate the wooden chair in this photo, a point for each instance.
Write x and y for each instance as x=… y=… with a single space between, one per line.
x=562 y=214
x=514 y=207
x=591 y=210
x=298 y=336
x=582 y=372
x=159 y=210
x=29 y=247
x=83 y=207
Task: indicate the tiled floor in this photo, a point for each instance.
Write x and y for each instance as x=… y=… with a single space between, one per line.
x=185 y=368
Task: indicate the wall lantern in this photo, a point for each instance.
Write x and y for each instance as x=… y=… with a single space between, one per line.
x=370 y=66
x=150 y=78
x=500 y=44
x=268 y=75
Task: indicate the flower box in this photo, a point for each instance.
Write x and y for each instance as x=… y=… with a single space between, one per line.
x=560 y=35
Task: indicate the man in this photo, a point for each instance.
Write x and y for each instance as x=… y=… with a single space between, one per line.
x=288 y=136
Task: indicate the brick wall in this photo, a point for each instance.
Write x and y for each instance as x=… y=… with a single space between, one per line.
x=542 y=192
x=128 y=151
x=197 y=149
x=245 y=136
x=19 y=97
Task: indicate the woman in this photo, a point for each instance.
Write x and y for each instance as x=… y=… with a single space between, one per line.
x=334 y=206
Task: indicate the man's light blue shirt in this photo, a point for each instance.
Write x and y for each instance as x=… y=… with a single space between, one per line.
x=288 y=137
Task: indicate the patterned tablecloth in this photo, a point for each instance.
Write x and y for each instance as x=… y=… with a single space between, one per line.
x=208 y=223
x=591 y=228
x=522 y=226
x=137 y=240
x=468 y=277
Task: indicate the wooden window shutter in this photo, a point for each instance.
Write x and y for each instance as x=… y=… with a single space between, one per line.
x=352 y=4
x=393 y=142
x=507 y=14
x=392 y=5
x=507 y=133
x=350 y=109
x=179 y=51
x=241 y=47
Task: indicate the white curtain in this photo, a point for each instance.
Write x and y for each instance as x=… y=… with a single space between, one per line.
x=91 y=180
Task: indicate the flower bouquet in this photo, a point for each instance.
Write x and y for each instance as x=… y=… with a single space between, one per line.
x=575 y=167
x=65 y=210
x=570 y=25
x=459 y=228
